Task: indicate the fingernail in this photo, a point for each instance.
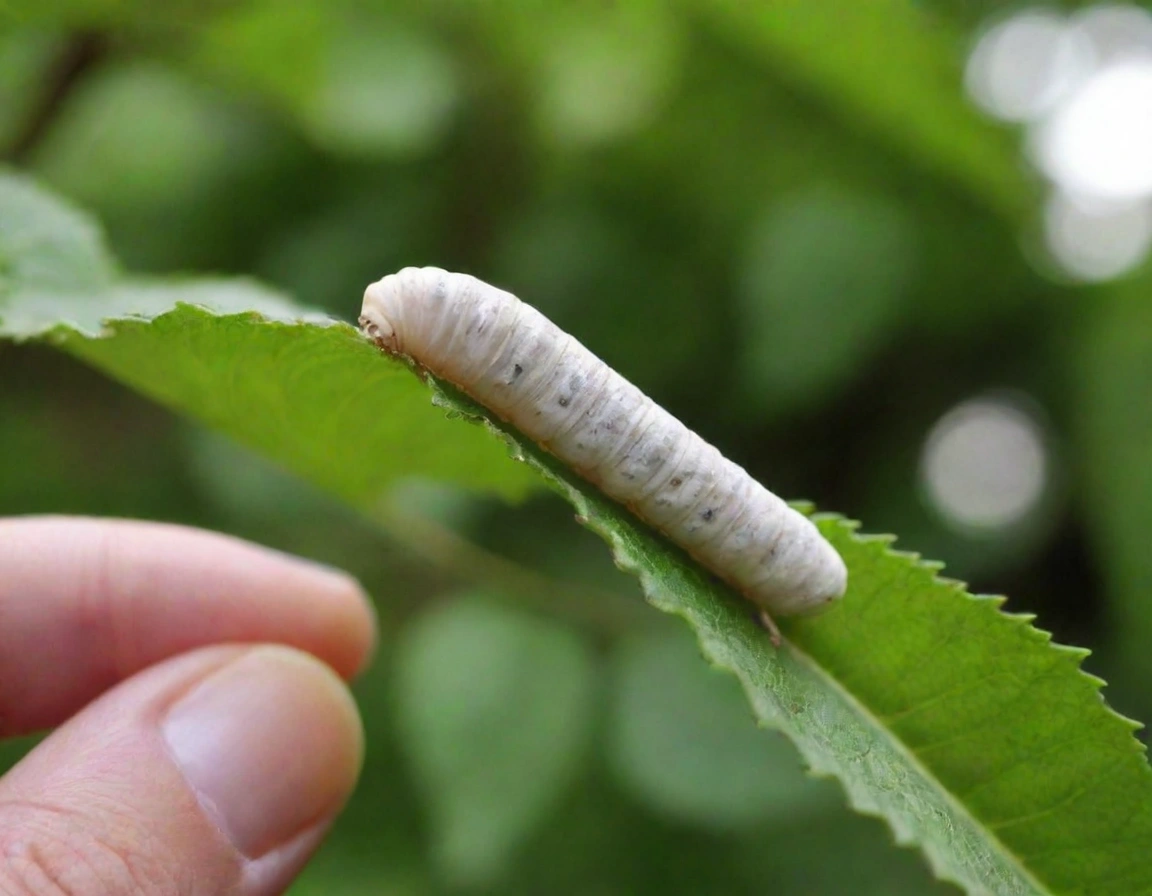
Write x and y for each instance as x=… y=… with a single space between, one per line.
x=271 y=744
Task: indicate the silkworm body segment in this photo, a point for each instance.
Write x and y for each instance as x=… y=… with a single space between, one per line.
x=516 y=362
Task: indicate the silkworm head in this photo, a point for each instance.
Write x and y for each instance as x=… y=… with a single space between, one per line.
x=381 y=302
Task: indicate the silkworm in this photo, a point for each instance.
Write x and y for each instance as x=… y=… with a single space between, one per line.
x=513 y=360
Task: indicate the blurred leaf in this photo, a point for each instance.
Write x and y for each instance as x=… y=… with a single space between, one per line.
x=175 y=169
x=892 y=68
x=1115 y=427
x=359 y=84
x=494 y=708
x=47 y=248
x=304 y=389
x=137 y=134
x=682 y=741
x=384 y=89
x=602 y=73
x=824 y=280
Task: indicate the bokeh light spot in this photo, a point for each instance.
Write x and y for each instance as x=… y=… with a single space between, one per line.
x=1097 y=241
x=1021 y=67
x=1099 y=142
x=1082 y=85
x=984 y=467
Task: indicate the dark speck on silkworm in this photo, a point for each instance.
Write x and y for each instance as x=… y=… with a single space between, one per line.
x=675 y=482
x=563 y=401
x=517 y=370
x=707 y=515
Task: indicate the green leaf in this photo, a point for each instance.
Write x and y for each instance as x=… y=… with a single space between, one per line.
x=965 y=728
x=898 y=78
x=304 y=389
x=494 y=711
x=46 y=249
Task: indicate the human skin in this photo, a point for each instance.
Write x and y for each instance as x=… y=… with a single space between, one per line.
x=204 y=736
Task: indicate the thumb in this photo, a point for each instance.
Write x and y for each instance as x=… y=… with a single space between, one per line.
x=215 y=772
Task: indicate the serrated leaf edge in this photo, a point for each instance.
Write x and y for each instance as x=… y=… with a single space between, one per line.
x=446 y=396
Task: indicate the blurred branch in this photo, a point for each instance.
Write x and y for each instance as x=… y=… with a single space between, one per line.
x=79 y=54
x=602 y=611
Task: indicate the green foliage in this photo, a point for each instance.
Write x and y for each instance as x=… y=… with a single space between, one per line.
x=903 y=693
x=895 y=78
x=310 y=395
x=358 y=89
x=786 y=222
x=1115 y=373
x=494 y=708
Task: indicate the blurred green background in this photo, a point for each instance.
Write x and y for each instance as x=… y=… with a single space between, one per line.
x=797 y=231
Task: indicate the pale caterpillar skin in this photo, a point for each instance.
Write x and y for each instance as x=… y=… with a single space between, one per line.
x=514 y=361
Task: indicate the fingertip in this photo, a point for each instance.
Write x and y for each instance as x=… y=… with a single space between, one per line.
x=356 y=635
x=344 y=616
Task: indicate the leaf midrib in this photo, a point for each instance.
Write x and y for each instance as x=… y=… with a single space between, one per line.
x=910 y=756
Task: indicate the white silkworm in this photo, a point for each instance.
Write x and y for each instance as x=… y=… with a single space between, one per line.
x=516 y=362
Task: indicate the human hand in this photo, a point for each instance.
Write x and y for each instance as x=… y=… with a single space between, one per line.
x=192 y=757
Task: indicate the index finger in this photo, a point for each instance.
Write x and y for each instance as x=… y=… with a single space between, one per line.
x=85 y=603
